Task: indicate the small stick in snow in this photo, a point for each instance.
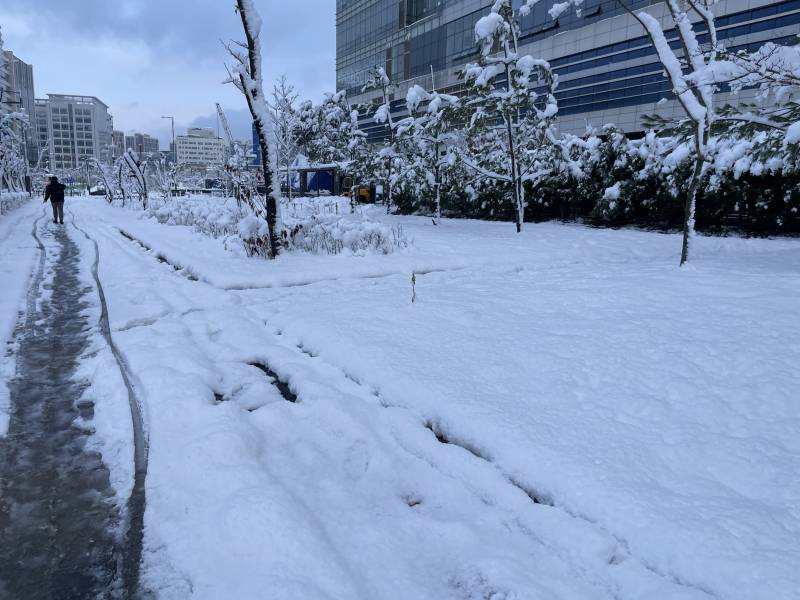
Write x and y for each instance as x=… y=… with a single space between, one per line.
x=413 y=287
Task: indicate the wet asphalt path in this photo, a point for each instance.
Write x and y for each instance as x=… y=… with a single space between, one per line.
x=61 y=535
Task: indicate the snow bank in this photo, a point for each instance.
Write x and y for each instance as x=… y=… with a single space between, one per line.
x=10 y=201
x=17 y=261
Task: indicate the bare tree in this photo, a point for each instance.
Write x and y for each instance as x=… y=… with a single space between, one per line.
x=136 y=173
x=13 y=162
x=164 y=175
x=284 y=121
x=246 y=75
x=106 y=175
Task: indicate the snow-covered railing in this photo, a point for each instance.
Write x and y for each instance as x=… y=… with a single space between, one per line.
x=10 y=201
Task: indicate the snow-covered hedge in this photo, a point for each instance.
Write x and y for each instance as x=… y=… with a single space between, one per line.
x=333 y=235
x=12 y=200
x=322 y=225
x=325 y=225
x=215 y=217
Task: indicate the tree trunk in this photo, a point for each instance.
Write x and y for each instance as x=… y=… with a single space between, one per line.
x=121 y=185
x=437 y=174
x=691 y=194
x=271 y=205
x=144 y=187
x=253 y=94
x=518 y=203
x=389 y=189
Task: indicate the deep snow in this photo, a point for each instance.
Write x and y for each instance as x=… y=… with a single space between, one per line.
x=562 y=414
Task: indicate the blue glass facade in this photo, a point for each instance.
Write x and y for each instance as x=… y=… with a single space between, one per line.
x=411 y=38
x=361 y=23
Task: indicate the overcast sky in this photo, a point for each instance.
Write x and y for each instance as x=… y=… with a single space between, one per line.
x=147 y=58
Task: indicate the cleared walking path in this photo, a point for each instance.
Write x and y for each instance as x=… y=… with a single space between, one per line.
x=61 y=534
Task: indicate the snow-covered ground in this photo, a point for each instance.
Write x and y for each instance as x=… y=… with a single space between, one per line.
x=18 y=251
x=561 y=414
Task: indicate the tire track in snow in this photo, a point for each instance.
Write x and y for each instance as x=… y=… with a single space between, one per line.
x=157 y=255
x=134 y=535
x=187 y=272
x=37 y=280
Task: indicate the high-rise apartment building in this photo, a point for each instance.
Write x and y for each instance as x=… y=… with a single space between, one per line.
x=150 y=144
x=5 y=96
x=17 y=95
x=20 y=91
x=42 y=128
x=200 y=147
x=141 y=143
x=118 y=141
x=608 y=70
x=76 y=127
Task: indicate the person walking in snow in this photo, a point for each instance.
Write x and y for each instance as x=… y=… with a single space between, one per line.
x=55 y=193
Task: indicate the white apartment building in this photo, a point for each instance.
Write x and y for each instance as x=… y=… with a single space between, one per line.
x=118 y=138
x=76 y=127
x=141 y=143
x=200 y=147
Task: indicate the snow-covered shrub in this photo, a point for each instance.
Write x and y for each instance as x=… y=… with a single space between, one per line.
x=10 y=201
x=254 y=235
x=326 y=235
x=317 y=225
x=215 y=217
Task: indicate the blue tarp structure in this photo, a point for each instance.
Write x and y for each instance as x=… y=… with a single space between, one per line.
x=321 y=180
x=256 y=147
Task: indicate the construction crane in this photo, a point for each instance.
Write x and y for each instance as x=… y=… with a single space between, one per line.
x=225 y=125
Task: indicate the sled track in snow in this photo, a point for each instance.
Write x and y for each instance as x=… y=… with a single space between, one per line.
x=134 y=535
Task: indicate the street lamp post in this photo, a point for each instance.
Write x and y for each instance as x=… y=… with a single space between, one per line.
x=174 y=156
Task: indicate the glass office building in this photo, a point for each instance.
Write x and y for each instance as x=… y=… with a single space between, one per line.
x=608 y=71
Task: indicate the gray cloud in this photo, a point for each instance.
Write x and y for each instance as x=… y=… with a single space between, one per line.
x=191 y=28
x=239 y=120
x=146 y=58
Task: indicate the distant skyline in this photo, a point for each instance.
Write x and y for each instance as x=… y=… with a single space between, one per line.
x=148 y=58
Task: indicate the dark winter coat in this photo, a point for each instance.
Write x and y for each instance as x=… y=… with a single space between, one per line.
x=54 y=192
